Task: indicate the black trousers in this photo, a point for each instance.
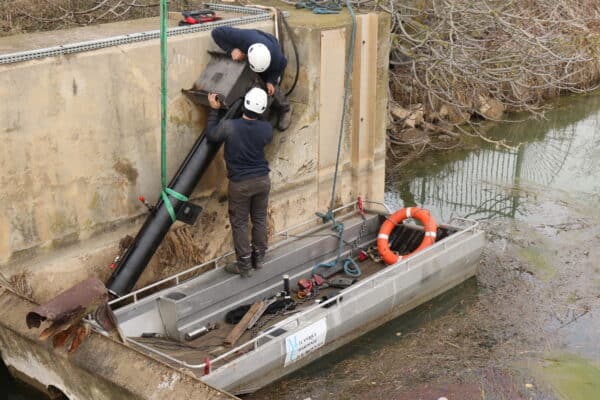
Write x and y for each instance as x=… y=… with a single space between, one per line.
x=249 y=198
x=280 y=101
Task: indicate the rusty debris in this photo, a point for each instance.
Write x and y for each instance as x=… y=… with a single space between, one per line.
x=81 y=332
x=66 y=311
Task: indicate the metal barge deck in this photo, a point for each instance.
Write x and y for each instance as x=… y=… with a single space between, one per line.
x=290 y=340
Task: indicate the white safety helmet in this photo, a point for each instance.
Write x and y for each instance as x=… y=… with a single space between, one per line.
x=259 y=57
x=256 y=100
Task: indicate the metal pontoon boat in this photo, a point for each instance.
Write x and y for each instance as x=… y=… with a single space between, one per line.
x=157 y=318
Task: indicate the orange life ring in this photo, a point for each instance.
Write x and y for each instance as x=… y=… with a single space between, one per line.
x=383 y=245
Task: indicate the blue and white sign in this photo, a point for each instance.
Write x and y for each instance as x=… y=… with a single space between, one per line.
x=305 y=341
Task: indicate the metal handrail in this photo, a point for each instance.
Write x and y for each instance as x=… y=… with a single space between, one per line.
x=380 y=203
x=215 y=261
x=304 y=315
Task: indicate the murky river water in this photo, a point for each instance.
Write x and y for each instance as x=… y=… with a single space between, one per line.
x=561 y=152
x=549 y=170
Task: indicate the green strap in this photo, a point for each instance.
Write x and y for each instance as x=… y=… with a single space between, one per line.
x=349 y=60
x=351 y=268
x=163 y=91
x=165 y=192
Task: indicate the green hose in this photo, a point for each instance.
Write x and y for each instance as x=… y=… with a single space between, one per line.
x=349 y=65
x=165 y=192
x=351 y=268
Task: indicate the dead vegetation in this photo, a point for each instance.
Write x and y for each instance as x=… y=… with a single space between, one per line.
x=455 y=63
x=39 y=15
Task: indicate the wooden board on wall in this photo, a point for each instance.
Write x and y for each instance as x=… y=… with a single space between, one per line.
x=331 y=97
x=364 y=88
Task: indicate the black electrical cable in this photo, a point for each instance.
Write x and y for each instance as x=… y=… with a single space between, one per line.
x=291 y=36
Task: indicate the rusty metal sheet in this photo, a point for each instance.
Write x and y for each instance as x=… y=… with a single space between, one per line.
x=67 y=310
x=83 y=298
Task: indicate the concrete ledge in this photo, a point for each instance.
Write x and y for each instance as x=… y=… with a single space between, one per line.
x=100 y=369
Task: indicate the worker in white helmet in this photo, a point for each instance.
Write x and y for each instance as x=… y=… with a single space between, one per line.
x=264 y=57
x=248 y=172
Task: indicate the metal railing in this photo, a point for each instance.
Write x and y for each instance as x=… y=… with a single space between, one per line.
x=295 y=320
x=254 y=15
x=176 y=279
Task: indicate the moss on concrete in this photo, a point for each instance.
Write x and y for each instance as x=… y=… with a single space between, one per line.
x=61 y=223
x=125 y=168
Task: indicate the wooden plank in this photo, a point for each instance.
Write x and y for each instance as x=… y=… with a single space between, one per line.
x=259 y=313
x=331 y=96
x=364 y=111
x=241 y=327
x=364 y=88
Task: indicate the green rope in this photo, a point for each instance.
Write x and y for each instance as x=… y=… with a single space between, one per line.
x=346 y=90
x=165 y=192
x=350 y=266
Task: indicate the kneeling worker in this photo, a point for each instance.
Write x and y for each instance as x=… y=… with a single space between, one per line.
x=248 y=172
x=265 y=58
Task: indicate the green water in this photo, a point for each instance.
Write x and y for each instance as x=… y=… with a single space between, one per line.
x=483 y=181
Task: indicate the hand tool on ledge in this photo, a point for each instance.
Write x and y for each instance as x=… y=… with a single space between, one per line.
x=198 y=17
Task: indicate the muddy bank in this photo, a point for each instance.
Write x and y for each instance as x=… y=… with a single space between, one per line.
x=526 y=327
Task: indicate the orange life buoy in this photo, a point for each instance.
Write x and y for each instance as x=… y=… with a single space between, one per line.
x=383 y=245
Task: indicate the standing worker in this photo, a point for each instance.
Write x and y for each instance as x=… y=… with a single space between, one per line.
x=265 y=58
x=248 y=172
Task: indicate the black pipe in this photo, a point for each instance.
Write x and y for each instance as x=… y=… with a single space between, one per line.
x=138 y=255
x=286 y=284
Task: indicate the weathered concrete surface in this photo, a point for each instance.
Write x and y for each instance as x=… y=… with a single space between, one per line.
x=81 y=141
x=38 y=40
x=100 y=369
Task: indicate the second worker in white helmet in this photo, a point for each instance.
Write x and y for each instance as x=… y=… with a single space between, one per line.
x=264 y=55
x=248 y=171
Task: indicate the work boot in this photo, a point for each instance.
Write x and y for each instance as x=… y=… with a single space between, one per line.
x=258 y=259
x=285 y=119
x=242 y=267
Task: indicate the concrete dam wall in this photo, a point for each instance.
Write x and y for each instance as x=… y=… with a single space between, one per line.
x=80 y=138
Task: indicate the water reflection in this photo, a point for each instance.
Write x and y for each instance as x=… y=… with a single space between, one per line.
x=559 y=151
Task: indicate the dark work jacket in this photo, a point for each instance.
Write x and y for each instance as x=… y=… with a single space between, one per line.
x=245 y=141
x=229 y=38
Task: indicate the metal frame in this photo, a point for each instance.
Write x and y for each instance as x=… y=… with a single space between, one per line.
x=176 y=279
x=254 y=15
x=296 y=319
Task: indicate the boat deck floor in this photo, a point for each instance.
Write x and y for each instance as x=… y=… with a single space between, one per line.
x=211 y=344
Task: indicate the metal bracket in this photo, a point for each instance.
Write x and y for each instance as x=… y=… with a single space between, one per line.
x=188 y=213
